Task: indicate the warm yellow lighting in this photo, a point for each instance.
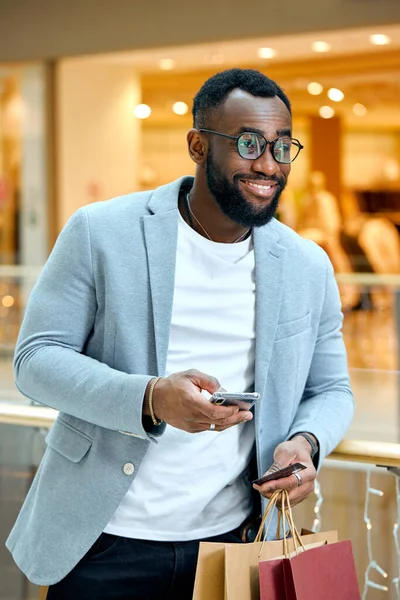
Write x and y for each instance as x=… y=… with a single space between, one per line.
x=216 y=59
x=369 y=526
x=326 y=112
x=266 y=52
x=180 y=108
x=142 y=111
x=379 y=39
x=167 y=64
x=315 y=89
x=321 y=46
x=335 y=95
x=7 y=301
x=360 y=110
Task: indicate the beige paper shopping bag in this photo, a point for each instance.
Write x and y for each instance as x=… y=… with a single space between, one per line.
x=230 y=571
x=210 y=572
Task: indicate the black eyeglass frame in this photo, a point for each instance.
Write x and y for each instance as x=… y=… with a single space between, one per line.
x=267 y=143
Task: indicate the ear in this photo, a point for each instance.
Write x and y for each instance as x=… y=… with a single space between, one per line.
x=197 y=146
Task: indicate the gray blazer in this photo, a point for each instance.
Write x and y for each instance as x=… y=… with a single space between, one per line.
x=96 y=329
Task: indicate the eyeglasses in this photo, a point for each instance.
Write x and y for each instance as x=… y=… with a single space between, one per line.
x=252 y=145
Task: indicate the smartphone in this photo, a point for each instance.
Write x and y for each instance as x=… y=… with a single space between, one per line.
x=285 y=472
x=243 y=400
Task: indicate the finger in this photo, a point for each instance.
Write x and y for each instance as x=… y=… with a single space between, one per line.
x=301 y=493
x=203 y=381
x=286 y=483
x=241 y=416
x=212 y=412
x=295 y=496
x=221 y=426
x=276 y=466
x=297 y=492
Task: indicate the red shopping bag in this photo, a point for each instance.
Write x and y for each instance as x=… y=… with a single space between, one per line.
x=327 y=572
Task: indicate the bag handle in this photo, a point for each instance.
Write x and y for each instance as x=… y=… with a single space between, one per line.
x=285 y=517
x=270 y=506
x=295 y=533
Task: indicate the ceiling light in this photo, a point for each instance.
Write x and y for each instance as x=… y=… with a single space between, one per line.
x=335 y=95
x=360 y=110
x=7 y=301
x=321 y=46
x=326 y=112
x=167 y=64
x=142 y=111
x=315 y=89
x=266 y=52
x=379 y=39
x=180 y=108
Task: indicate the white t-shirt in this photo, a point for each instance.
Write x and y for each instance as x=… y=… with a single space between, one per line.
x=192 y=486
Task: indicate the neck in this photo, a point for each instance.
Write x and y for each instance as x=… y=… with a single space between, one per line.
x=210 y=219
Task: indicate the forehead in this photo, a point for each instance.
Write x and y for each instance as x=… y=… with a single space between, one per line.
x=242 y=109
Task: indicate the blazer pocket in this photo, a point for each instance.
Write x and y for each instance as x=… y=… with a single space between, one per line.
x=291 y=328
x=68 y=442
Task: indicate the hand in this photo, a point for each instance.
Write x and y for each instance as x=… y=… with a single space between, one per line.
x=287 y=453
x=178 y=401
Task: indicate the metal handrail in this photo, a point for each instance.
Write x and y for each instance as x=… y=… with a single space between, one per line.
x=24 y=271
x=28 y=416
x=342 y=278
x=369 y=279
x=376 y=453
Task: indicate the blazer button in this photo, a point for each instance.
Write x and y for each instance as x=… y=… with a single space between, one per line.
x=128 y=468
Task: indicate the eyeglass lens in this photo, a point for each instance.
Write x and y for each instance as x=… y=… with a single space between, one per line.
x=252 y=145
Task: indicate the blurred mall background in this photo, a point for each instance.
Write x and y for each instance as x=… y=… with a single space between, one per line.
x=95 y=101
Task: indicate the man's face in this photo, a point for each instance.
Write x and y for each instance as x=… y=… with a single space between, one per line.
x=247 y=191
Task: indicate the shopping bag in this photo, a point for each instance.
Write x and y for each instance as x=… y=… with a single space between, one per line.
x=321 y=572
x=327 y=572
x=210 y=572
x=230 y=571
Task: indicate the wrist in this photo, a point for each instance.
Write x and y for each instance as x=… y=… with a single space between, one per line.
x=145 y=407
x=148 y=404
x=310 y=442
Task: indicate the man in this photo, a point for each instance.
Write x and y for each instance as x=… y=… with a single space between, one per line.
x=150 y=302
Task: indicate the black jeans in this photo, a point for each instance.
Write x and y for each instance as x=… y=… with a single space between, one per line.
x=129 y=569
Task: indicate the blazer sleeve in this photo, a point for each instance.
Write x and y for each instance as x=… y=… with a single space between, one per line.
x=327 y=404
x=50 y=365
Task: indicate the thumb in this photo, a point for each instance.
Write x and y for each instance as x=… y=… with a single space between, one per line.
x=284 y=455
x=203 y=381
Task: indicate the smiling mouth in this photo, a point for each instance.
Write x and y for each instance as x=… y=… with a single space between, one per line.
x=260 y=189
x=259 y=185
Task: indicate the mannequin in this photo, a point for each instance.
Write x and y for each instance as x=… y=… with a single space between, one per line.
x=321 y=221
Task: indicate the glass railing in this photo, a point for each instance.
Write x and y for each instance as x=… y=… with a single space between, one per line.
x=371 y=314
x=358 y=465
x=371 y=332
x=16 y=284
x=371 y=324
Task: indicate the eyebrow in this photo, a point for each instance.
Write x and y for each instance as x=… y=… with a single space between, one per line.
x=279 y=132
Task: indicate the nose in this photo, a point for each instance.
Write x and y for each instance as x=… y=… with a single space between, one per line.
x=266 y=164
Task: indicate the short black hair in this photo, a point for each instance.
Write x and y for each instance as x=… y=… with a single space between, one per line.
x=216 y=89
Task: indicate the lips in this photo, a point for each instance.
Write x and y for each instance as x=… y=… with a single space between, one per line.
x=263 y=189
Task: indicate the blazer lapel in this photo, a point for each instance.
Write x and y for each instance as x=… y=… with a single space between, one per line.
x=270 y=265
x=161 y=233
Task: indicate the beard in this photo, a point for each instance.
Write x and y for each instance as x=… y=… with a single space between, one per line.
x=233 y=203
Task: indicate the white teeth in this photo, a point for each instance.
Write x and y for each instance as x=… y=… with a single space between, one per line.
x=261 y=187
